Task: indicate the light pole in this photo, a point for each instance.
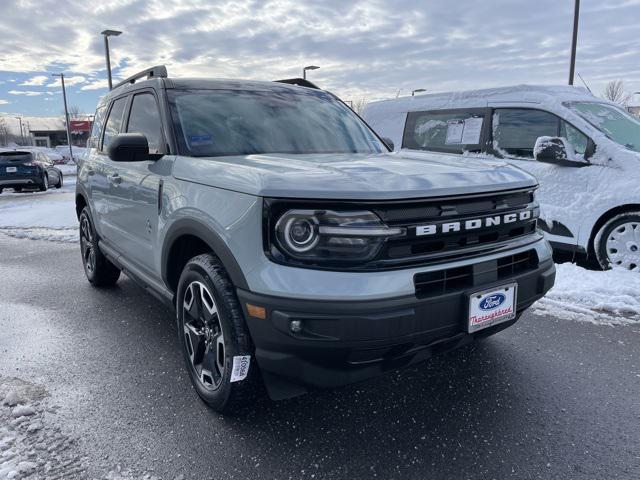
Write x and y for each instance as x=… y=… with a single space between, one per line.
x=107 y=34
x=310 y=67
x=417 y=90
x=66 y=111
x=21 y=131
x=574 y=41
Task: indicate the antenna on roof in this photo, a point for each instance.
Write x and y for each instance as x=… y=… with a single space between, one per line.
x=585 y=83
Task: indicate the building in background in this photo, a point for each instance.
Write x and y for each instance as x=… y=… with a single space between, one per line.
x=43 y=131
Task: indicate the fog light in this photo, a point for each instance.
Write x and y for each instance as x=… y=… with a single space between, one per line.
x=295 y=326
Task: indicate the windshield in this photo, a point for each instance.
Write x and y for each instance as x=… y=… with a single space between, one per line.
x=278 y=120
x=616 y=124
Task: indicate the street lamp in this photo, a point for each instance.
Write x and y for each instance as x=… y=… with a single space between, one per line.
x=107 y=34
x=21 y=130
x=66 y=111
x=574 y=41
x=310 y=67
x=417 y=90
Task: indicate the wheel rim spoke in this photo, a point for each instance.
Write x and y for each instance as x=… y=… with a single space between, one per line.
x=203 y=336
x=623 y=246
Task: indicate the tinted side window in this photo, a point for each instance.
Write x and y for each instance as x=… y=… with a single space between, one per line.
x=96 y=129
x=114 y=122
x=443 y=131
x=145 y=118
x=515 y=131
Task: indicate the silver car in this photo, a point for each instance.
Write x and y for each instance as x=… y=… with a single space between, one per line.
x=297 y=251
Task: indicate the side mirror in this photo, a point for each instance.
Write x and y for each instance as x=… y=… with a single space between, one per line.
x=388 y=142
x=129 y=147
x=556 y=150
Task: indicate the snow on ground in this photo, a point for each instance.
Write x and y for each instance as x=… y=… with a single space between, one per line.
x=602 y=298
x=32 y=446
x=46 y=215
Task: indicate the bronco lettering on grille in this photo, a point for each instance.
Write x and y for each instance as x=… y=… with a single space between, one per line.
x=473 y=224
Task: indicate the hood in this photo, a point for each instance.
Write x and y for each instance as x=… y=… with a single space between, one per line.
x=384 y=176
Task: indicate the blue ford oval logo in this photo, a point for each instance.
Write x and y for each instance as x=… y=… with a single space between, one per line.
x=492 y=301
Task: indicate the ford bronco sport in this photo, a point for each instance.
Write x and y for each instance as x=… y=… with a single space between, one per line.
x=297 y=251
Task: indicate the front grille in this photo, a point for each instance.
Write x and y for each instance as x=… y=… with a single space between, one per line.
x=450 y=280
x=454 y=244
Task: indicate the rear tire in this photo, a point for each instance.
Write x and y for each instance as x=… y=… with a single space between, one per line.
x=617 y=244
x=45 y=183
x=99 y=270
x=212 y=332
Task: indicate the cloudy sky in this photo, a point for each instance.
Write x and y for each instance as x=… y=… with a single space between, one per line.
x=365 y=48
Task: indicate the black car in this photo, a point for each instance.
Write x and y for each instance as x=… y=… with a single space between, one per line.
x=27 y=170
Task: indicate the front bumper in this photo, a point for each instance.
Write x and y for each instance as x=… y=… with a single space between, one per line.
x=342 y=342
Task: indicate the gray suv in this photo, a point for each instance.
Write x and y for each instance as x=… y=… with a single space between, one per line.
x=297 y=250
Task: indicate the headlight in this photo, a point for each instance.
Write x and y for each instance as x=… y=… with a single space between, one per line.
x=330 y=237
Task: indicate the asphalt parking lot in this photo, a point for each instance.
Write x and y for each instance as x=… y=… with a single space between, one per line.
x=547 y=398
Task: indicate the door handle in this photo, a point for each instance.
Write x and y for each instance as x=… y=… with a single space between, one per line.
x=90 y=171
x=115 y=178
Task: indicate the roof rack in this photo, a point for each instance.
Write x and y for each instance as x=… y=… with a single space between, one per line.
x=301 y=82
x=159 y=71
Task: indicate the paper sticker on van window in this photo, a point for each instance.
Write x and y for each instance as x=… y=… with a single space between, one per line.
x=465 y=132
x=472 y=130
x=199 y=140
x=454 y=131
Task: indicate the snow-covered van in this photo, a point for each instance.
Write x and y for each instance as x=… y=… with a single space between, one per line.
x=585 y=152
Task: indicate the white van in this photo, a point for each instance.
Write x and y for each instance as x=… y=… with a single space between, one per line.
x=585 y=152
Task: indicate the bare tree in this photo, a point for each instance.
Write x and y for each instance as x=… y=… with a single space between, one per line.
x=358 y=105
x=614 y=91
x=3 y=131
x=74 y=112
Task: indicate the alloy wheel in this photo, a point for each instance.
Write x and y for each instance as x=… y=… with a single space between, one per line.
x=203 y=335
x=86 y=245
x=623 y=246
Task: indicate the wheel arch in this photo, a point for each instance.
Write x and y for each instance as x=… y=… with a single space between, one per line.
x=187 y=238
x=605 y=217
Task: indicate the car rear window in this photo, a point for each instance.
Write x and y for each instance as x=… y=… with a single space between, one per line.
x=445 y=131
x=10 y=157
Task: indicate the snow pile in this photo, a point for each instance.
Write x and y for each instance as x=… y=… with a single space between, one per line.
x=47 y=215
x=33 y=447
x=28 y=449
x=603 y=298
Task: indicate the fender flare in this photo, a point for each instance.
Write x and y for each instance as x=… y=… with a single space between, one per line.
x=188 y=226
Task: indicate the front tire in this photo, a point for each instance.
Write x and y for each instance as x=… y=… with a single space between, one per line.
x=99 y=270
x=59 y=185
x=213 y=335
x=617 y=244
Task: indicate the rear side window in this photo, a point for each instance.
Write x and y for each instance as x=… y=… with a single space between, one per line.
x=114 y=122
x=444 y=131
x=145 y=119
x=96 y=129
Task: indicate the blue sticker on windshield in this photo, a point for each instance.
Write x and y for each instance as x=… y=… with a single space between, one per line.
x=198 y=140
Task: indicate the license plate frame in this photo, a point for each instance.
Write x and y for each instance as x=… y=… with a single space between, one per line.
x=487 y=308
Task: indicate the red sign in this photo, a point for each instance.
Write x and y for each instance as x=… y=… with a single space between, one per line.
x=80 y=126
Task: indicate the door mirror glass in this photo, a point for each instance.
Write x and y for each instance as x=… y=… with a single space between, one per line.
x=129 y=147
x=556 y=150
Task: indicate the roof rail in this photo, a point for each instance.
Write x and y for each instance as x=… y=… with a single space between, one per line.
x=301 y=82
x=159 y=71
